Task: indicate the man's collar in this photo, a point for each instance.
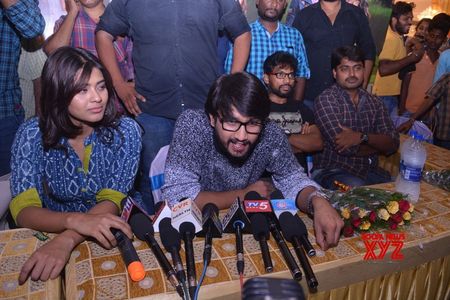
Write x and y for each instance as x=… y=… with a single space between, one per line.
x=260 y=25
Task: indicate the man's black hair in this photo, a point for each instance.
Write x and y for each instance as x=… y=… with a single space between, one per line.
x=243 y=91
x=441 y=22
x=401 y=8
x=280 y=59
x=352 y=53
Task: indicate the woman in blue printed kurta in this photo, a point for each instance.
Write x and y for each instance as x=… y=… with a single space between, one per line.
x=73 y=164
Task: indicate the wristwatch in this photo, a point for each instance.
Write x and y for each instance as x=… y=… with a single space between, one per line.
x=364 y=138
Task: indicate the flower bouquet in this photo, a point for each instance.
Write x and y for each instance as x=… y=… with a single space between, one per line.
x=364 y=209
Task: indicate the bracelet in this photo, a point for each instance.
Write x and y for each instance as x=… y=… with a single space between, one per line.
x=309 y=203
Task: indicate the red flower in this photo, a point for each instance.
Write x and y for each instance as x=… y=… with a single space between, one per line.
x=356 y=222
x=397 y=218
x=348 y=231
x=393 y=225
x=403 y=205
x=372 y=217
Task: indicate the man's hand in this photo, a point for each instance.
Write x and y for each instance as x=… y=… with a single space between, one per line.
x=406 y=126
x=127 y=93
x=98 y=226
x=327 y=223
x=347 y=138
x=262 y=187
x=48 y=261
x=72 y=6
x=306 y=128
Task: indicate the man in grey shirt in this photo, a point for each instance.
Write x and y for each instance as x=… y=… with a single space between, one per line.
x=221 y=153
x=175 y=60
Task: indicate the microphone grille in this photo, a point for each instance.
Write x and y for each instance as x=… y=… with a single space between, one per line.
x=260 y=226
x=170 y=237
x=277 y=194
x=252 y=195
x=141 y=225
x=187 y=227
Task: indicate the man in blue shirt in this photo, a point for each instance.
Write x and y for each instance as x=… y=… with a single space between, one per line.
x=268 y=36
x=175 y=60
x=18 y=18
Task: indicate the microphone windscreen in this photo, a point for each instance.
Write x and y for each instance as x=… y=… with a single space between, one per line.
x=277 y=194
x=187 y=227
x=252 y=195
x=300 y=225
x=170 y=237
x=210 y=208
x=260 y=226
x=141 y=225
x=288 y=226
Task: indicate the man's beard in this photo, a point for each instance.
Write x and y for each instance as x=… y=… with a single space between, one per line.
x=400 y=29
x=281 y=94
x=234 y=160
x=271 y=19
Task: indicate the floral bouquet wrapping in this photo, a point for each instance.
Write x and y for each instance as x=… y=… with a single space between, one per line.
x=364 y=209
x=439 y=178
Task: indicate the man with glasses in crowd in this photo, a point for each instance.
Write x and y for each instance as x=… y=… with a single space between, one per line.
x=221 y=153
x=294 y=117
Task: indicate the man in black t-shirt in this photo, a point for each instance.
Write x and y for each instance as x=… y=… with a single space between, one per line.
x=295 y=118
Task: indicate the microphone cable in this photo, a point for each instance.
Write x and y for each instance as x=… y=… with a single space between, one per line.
x=197 y=290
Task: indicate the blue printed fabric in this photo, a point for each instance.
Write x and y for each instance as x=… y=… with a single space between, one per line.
x=65 y=183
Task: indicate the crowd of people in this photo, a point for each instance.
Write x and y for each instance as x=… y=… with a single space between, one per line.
x=291 y=113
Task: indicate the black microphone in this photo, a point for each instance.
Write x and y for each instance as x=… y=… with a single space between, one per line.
x=261 y=233
x=282 y=206
x=212 y=228
x=237 y=221
x=292 y=231
x=129 y=255
x=187 y=231
x=186 y=217
x=143 y=228
x=171 y=240
x=253 y=200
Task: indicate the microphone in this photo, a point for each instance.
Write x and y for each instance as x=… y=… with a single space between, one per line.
x=129 y=255
x=255 y=200
x=237 y=221
x=142 y=227
x=162 y=211
x=261 y=233
x=257 y=211
x=287 y=206
x=292 y=231
x=186 y=218
x=212 y=228
x=171 y=240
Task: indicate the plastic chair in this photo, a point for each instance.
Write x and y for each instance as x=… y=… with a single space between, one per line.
x=157 y=173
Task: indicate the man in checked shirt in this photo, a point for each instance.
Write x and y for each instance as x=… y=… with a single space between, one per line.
x=355 y=127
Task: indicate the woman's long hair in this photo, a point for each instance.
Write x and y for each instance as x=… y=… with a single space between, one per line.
x=65 y=74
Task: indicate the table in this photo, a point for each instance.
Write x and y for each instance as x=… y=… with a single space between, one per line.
x=16 y=246
x=94 y=272
x=437 y=158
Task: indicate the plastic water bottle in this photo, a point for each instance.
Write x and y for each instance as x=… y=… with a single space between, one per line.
x=413 y=156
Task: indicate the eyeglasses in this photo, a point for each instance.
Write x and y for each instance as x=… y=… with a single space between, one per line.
x=252 y=126
x=282 y=75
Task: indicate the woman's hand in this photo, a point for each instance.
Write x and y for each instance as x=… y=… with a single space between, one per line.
x=48 y=261
x=98 y=226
